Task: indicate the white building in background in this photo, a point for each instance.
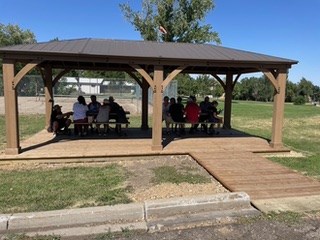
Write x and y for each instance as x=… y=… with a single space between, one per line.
x=87 y=85
x=96 y=85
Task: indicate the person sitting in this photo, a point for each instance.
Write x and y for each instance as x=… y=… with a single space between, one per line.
x=166 y=114
x=213 y=117
x=117 y=112
x=103 y=117
x=204 y=115
x=176 y=111
x=192 y=112
x=59 y=121
x=93 y=111
x=80 y=119
x=114 y=108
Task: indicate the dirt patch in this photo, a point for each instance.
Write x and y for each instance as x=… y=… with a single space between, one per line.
x=140 y=175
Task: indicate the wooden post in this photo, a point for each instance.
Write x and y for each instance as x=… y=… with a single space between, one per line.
x=278 y=110
x=157 y=110
x=48 y=93
x=228 y=101
x=11 y=109
x=145 y=104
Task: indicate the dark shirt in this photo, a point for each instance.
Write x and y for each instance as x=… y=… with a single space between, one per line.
x=114 y=107
x=205 y=106
x=94 y=108
x=56 y=116
x=176 y=111
x=213 y=110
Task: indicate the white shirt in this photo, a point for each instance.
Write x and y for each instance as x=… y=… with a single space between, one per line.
x=79 y=111
x=103 y=115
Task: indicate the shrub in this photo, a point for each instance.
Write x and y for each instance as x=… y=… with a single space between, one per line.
x=299 y=100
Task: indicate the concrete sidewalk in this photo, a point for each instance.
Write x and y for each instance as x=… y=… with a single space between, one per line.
x=146 y=216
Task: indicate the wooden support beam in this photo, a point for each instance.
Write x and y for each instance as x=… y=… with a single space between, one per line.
x=48 y=92
x=228 y=100
x=131 y=74
x=144 y=74
x=11 y=109
x=157 y=109
x=24 y=71
x=272 y=75
x=278 y=110
x=172 y=75
x=236 y=80
x=145 y=104
x=60 y=75
x=219 y=80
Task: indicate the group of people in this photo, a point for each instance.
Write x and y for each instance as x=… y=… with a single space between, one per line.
x=174 y=112
x=84 y=114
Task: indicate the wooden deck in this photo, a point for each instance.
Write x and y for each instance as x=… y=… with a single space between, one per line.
x=257 y=176
x=230 y=157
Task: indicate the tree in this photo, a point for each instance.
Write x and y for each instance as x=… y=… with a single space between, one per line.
x=180 y=20
x=291 y=91
x=14 y=35
x=305 y=89
x=316 y=93
x=63 y=88
x=185 y=85
x=253 y=88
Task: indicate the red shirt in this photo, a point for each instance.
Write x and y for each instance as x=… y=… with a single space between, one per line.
x=192 y=112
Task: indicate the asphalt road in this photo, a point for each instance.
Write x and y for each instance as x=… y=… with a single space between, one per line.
x=283 y=226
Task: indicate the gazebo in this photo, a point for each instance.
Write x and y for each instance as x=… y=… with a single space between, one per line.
x=152 y=64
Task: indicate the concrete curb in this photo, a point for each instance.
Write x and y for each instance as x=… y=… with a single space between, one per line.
x=136 y=216
x=195 y=210
x=196 y=204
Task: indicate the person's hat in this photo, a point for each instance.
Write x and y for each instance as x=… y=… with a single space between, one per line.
x=105 y=101
x=55 y=107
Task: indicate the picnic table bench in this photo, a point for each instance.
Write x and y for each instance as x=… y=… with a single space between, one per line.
x=112 y=121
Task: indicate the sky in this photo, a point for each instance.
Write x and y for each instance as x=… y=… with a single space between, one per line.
x=282 y=28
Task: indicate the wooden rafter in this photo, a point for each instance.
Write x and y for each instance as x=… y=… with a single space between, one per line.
x=131 y=74
x=60 y=74
x=144 y=74
x=219 y=80
x=271 y=75
x=236 y=80
x=17 y=78
x=172 y=75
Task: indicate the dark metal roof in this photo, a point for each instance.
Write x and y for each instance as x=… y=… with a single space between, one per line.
x=99 y=54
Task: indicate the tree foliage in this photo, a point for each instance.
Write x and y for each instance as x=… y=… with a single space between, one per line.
x=201 y=85
x=182 y=20
x=260 y=89
x=14 y=35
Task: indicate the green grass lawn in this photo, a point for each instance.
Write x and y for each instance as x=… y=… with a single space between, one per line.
x=29 y=125
x=69 y=187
